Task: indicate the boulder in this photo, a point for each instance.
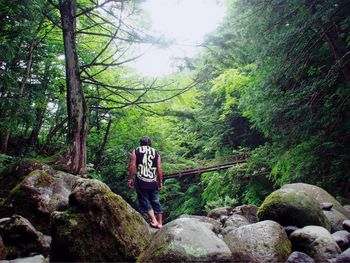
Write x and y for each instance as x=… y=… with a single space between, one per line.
x=219 y=212
x=342 y=238
x=315 y=241
x=187 y=240
x=343 y=257
x=236 y=220
x=248 y=211
x=34 y=259
x=265 y=241
x=335 y=218
x=98 y=226
x=319 y=194
x=21 y=239
x=43 y=193
x=291 y=207
x=17 y=171
x=204 y=219
x=299 y=257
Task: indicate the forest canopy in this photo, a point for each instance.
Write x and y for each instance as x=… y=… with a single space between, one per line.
x=273 y=80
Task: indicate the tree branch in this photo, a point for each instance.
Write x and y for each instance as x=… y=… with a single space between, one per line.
x=88 y=10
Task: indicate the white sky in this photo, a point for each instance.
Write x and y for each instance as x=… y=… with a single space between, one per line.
x=186 y=22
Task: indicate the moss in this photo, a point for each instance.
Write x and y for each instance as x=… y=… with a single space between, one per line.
x=270 y=200
x=49 y=159
x=194 y=251
x=43 y=179
x=70 y=211
x=290 y=207
x=161 y=250
x=16 y=189
x=284 y=248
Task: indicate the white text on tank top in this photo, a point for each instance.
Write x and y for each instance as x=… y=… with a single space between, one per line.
x=145 y=170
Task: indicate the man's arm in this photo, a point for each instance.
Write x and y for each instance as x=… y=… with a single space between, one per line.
x=160 y=172
x=132 y=168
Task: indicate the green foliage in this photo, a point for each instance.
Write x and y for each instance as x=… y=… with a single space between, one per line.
x=221 y=202
x=5 y=160
x=275 y=81
x=177 y=200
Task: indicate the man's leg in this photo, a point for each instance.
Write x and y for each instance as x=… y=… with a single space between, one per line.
x=160 y=220
x=154 y=200
x=154 y=221
x=145 y=205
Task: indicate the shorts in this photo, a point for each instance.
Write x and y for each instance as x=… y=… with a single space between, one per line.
x=148 y=200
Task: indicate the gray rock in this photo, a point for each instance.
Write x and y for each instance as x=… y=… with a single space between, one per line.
x=98 y=226
x=216 y=226
x=343 y=257
x=347 y=208
x=317 y=242
x=326 y=206
x=218 y=212
x=299 y=257
x=335 y=218
x=248 y=211
x=291 y=207
x=342 y=238
x=265 y=241
x=346 y=225
x=35 y=259
x=236 y=220
x=21 y=239
x=44 y=193
x=15 y=173
x=187 y=240
x=319 y=194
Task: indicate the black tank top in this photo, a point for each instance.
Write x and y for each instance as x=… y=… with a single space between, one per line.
x=146 y=163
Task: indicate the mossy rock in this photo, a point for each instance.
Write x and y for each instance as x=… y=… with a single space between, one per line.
x=37 y=196
x=15 y=173
x=98 y=226
x=321 y=195
x=292 y=208
x=316 y=242
x=260 y=242
x=187 y=239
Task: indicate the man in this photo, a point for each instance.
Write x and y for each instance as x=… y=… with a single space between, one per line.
x=149 y=180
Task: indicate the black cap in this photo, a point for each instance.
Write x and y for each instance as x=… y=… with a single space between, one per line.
x=145 y=141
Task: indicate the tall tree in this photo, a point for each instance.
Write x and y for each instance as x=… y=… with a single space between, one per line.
x=76 y=105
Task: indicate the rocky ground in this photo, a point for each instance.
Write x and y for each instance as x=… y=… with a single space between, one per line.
x=51 y=216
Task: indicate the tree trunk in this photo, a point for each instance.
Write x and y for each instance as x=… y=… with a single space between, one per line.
x=34 y=136
x=40 y=112
x=99 y=155
x=4 y=138
x=52 y=133
x=76 y=105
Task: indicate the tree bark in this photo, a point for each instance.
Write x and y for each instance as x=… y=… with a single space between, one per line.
x=34 y=136
x=76 y=105
x=99 y=155
x=40 y=112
